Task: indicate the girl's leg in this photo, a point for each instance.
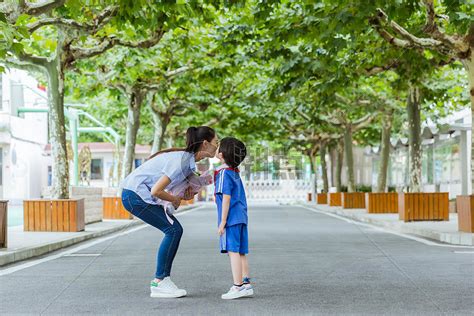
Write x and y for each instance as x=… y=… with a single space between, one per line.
x=245 y=266
x=236 y=265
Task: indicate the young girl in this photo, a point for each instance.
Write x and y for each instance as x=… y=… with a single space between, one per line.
x=232 y=215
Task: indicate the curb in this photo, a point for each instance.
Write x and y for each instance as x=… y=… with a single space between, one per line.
x=454 y=238
x=35 y=251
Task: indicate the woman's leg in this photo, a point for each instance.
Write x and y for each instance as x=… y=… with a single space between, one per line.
x=155 y=216
x=174 y=249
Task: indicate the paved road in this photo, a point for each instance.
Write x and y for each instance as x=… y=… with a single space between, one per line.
x=303 y=263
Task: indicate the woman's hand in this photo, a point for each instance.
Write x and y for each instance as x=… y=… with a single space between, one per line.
x=188 y=194
x=221 y=229
x=176 y=203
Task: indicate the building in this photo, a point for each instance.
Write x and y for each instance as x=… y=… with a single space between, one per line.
x=102 y=162
x=21 y=149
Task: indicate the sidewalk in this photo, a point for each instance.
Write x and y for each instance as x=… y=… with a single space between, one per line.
x=445 y=232
x=24 y=245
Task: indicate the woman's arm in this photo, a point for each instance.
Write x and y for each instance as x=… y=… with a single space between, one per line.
x=158 y=190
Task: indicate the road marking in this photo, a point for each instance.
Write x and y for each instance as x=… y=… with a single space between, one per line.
x=385 y=230
x=89 y=244
x=83 y=255
x=471 y=252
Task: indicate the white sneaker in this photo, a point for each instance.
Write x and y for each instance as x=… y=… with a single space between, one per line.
x=235 y=292
x=249 y=289
x=165 y=289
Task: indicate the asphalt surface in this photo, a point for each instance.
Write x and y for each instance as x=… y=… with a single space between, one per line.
x=302 y=263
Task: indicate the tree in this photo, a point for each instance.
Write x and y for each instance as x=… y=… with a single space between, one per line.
x=54 y=43
x=450 y=34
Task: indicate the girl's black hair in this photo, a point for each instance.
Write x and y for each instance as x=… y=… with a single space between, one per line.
x=195 y=136
x=233 y=151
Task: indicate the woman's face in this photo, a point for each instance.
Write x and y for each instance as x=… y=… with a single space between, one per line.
x=210 y=148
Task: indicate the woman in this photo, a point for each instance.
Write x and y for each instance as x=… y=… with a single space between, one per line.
x=161 y=172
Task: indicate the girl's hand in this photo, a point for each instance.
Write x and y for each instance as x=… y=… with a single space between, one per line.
x=221 y=229
x=176 y=203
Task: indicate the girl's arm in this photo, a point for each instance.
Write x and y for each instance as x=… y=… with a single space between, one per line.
x=225 y=213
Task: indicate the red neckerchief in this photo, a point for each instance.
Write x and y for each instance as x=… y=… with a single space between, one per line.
x=216 y=172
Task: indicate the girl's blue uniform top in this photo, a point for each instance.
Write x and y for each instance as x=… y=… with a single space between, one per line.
x=227 y=181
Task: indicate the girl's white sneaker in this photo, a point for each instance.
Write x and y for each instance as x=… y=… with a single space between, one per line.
x=165 y=289
x=235 y=292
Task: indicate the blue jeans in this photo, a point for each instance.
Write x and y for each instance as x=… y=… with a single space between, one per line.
x=155 y=216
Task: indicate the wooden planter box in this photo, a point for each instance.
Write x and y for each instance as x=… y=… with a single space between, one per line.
x=322 y=198
x=353 y=200
x=54 y=215
x=465 y=207
x=335 y=199
x=3 y=223
x=423 y=206
x=379 y=203
x=114 y=209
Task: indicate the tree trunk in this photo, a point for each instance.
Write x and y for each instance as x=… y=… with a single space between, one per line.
x=164 y=126
x=469 y=65
x=349 y=158
x=384 y=152
x=414 y=138
x=314 y=178
x=339 y=158
x=157 y=132
x=314 y=172
x=133 y=123
x=324 y=169
x=57 y=129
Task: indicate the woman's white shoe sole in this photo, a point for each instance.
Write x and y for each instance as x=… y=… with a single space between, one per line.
x=168 y=295
x=249 y=292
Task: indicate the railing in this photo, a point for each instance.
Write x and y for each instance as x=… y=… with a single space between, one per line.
x=277 y=189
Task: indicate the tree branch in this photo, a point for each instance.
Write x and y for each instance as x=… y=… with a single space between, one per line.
x=14 y=63
x=57 y=21
x=433 y=29
x=91 y=28
x=172 y=73
x=36 y=60
x=379 y=69
x=109 y=42
x=409 y=40
x=363 y=122
x=41 y=7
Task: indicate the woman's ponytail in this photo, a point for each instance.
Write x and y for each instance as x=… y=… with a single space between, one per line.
x=195 y=136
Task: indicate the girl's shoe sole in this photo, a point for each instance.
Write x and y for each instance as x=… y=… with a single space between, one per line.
x=249 y=292
x=241 y=294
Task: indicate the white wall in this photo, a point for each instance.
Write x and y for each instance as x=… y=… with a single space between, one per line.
x=22 y=139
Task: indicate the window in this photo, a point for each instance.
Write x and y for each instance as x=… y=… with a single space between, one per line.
x=138 y=162
x=50 y=176
x=96 y=169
